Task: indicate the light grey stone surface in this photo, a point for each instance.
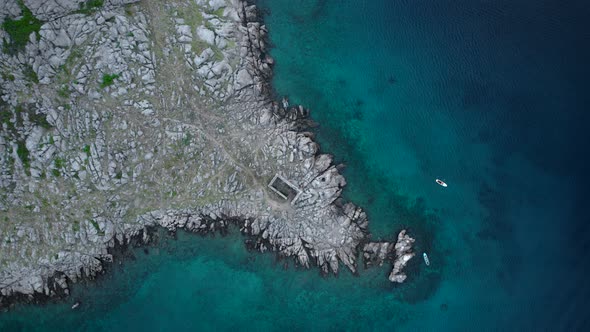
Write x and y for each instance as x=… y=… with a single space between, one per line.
x=403 y=253
x=155 y=114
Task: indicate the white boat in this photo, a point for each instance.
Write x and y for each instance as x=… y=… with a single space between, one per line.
x=441 y=182
x=426 y=260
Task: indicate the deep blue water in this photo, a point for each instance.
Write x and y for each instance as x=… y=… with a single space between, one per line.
x=492 y=96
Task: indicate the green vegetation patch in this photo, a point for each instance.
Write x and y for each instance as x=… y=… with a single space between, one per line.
x=108 y=80
x=90 y=6
x=86 y=149
x=14 y=118
x=59 y=163
x=39 y=120
x=76 y=54
x=64 y=92
x=6 y=118
x=30 y=74
x=34 y=118
x=23 y=154
x=8 y=77
x=192 y=15
x=97 y=227
x=219 y=12
x=20 y=30
x=186 y=140
x=64 y=75
x=217 y=54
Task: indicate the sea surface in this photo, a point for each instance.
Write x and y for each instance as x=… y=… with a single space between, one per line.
x=491 y=96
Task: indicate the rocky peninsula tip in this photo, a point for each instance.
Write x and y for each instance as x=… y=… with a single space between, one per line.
x=118 y=116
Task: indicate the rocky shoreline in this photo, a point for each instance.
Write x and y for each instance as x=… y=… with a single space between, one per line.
x=135 y=115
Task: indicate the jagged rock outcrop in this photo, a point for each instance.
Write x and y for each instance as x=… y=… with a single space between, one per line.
x=403 y=253
x=399 y=253
x=376 y=253
x=131 y=115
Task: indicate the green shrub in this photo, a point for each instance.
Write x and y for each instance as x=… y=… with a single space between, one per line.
x=108 y=80
x=23 y=154
x=8 y=77
x=58 y=163
x=5 y=117
x=86 y=149
x=39 y=119
x=186 y=140
x=90 y=6
x=20 y=30
x=219 y=12
x=34 y=118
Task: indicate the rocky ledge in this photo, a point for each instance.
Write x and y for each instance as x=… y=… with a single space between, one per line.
x=118 y=116
x=400 y=252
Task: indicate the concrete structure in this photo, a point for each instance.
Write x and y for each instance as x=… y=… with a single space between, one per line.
x=284 y=188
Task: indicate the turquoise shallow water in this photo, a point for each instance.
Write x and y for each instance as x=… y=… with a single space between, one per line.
x=213 y=283
x=490 y=96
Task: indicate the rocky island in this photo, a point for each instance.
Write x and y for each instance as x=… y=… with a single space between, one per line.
x=119 y=116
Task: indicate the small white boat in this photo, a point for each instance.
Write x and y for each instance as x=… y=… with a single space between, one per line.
x=441 y=182
x=426 y=260
x=76 y=305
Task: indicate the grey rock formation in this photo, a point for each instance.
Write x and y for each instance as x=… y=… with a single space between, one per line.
x=403 y=253
x=134 y=115
x=376 y=253
x=400 y=252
